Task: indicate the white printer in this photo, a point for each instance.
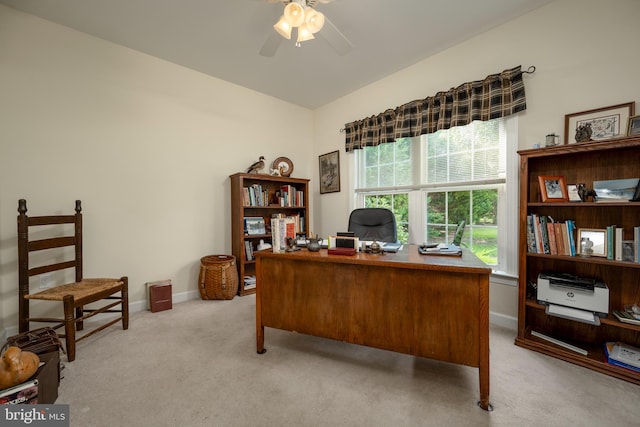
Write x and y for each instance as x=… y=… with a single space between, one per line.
x=572 y=291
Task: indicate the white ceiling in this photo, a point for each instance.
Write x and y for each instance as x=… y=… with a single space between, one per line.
x=222 y=38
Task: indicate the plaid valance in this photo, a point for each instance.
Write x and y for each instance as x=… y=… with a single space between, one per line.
x=498 y=95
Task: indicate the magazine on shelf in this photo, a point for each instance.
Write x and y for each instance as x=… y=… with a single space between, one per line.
x=623 y=355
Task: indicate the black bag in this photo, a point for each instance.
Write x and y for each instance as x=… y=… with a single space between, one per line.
x=38 y=341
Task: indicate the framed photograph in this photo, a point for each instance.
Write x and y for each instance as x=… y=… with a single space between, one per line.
x=616 y=190
x=634 y=126
x=553 y=189
x=592 y=242
x=330 y=172
x=572 y=193
x=254 y=225
x=602 y=123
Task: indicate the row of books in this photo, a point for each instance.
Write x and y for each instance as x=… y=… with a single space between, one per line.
x=286 y=195
x=623 y=355
x=291 y=196
x=620 y=249
x=283 y=226
x=546 y=236
x=255 y=195
x=248 y=250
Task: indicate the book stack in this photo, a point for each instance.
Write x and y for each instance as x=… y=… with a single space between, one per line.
x=249 y=282
x=623 y=355
x=22 y=393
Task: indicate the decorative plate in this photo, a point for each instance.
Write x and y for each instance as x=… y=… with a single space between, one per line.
x=283 y=165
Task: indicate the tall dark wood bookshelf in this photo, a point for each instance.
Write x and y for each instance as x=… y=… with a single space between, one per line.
x=241 y=208
x=579 y=163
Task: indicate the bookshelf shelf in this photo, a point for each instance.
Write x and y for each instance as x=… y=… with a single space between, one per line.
x=243 y=206
x=579 y=163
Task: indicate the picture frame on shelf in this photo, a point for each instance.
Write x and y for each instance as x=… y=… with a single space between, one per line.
x=553 y=188
x=254 y=225
x=572 y=193
x=634 y=126
x=598 y=239
x=617 y=190
x=604 y=123
x=329 y=167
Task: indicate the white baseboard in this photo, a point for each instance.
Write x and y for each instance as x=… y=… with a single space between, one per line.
x=503 y=320
x=134 y=307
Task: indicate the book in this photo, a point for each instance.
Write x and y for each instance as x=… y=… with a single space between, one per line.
x=160 y=295
x=531 y=238
x=610 y=232
x=544 y=233
x=26 y=392
x=551 y=232
x=636 y=244
x=618 y=243
x=571 y=227
x=559 y=238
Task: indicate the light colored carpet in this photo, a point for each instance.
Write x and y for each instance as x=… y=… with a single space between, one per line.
x=196 y=365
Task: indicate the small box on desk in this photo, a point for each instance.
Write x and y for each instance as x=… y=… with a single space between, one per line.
x=160 y=296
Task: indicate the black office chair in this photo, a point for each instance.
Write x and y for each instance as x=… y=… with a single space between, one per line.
x=377 y=224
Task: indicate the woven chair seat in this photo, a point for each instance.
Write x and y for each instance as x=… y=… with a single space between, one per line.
x=78 y=290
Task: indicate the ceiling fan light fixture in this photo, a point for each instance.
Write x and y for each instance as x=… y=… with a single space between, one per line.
x=294 y=14
x=304 y=34
x=283 y=28
x=314 y=20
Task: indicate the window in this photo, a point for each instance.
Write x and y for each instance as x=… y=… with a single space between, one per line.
x=434 y=181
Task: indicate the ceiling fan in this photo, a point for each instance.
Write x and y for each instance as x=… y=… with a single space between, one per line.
x=302 y=15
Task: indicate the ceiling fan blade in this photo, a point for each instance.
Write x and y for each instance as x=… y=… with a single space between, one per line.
x=335 y=38
x=271 y=45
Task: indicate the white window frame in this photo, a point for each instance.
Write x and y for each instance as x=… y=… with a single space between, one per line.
x=507 y=264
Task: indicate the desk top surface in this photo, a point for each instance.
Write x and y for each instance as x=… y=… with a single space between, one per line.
x=407 y=257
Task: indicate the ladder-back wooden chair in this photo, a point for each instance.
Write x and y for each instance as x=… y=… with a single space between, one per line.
x=59 y=245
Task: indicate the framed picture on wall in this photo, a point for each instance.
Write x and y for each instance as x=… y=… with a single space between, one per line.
x=330 y=172
x=600 y=123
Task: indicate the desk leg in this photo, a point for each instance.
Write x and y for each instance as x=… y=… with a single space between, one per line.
x=259 y=327
x=483 y=369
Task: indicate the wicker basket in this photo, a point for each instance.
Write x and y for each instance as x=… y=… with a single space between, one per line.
x=218 y=277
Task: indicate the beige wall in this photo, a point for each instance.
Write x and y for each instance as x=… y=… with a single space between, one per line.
x=148 y=146
x=585 y=55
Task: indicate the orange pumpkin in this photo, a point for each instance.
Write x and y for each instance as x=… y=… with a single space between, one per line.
x=17 y=366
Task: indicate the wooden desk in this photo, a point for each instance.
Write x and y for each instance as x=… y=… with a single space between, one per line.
x=428 y=306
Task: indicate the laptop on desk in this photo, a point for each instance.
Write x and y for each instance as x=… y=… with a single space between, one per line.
x=452 y=248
